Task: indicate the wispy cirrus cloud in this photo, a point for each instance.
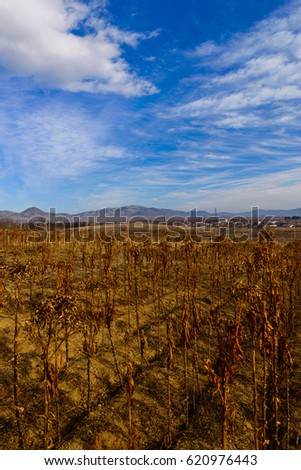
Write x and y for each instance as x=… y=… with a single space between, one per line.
x=251 y=79
x=55 y=142
x=222 y=190
x=273 y=191
x=68 y=45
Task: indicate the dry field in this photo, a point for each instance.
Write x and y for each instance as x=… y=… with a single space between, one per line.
x=143 y=345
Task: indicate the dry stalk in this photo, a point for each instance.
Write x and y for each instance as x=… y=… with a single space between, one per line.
x=108 y=314
x=186 y=343
x=16 y=382
x=130 y=393
x=170 y=348
x=230 y=354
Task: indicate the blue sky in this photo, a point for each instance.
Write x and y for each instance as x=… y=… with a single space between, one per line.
x=185 y=104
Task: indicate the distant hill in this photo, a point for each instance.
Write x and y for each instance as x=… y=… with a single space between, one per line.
x=31 y=212
x=149 y=213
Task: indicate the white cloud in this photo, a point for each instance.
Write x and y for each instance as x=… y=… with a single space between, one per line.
x=206 y=49
x=253 y=77
x=230 y=184
x=57 y=142
x=278 y=190
x=37 y=39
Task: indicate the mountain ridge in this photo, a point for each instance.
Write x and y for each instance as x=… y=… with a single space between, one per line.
x=136 y=211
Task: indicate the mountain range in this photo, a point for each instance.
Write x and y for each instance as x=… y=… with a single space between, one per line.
x=149 y=213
